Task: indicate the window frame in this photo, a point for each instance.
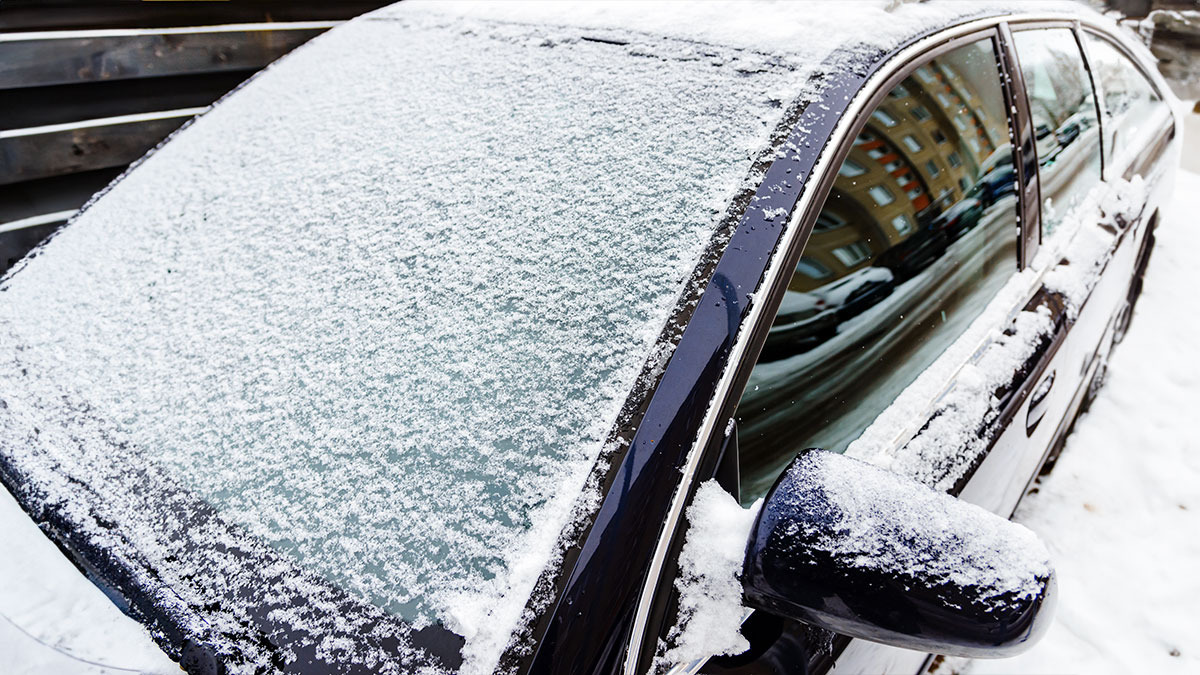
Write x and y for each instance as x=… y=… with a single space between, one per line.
x=1151 y=78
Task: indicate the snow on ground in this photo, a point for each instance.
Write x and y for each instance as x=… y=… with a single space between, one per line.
x=53 y=621
x=1121 y=511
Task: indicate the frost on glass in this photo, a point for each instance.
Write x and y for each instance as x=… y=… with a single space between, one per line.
x=379 y=310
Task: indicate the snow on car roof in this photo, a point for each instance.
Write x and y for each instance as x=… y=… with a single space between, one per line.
x=809 y=28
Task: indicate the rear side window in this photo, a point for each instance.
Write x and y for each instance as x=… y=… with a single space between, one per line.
x=1063 y=108
x=1129 y=99
x=928 y=235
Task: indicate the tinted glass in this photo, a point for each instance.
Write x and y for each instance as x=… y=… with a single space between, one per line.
x=1063 y=109
x=910 y=246
x=1129 y=100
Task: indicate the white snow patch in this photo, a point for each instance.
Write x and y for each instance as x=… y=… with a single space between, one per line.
x=876 y=516
x=709 y=582
x=53 y=619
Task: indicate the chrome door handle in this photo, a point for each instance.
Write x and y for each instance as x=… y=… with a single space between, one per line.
x=1039 y=401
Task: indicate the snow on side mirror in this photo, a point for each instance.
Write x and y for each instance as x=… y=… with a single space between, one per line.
x=864 y=552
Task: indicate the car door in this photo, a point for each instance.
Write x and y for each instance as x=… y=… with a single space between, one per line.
x=967 y=404
x=1096 y=235
x=917 y=238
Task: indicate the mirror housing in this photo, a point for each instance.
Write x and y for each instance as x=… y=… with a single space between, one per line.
x=858 y=550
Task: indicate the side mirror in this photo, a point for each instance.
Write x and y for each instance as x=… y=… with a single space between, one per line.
x=864 y=552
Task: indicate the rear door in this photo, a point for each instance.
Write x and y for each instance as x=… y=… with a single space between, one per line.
x=1094 y=235
x=1061 y=109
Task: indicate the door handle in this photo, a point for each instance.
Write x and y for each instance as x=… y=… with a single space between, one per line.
x=1039 y=401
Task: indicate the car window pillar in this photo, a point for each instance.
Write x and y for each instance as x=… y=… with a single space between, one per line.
x=1096 y=97
x=1024 y=148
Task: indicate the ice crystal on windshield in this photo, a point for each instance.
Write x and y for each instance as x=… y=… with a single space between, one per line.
x=382 y=306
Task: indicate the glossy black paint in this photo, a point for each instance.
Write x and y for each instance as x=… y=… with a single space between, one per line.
x=792 y=570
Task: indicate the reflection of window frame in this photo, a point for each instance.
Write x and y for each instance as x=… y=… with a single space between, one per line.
x=813 y=269
x=882 y=191
x=884 y=117
x=921 y=113
x=902 y=224
x=933 y=169
x=851 y=169
x=827 y=220
x=912 y=143
x=954 y=160
x=854 y=253
x=939 y=137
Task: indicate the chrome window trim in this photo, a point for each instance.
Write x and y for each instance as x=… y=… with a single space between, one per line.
x=898 y=61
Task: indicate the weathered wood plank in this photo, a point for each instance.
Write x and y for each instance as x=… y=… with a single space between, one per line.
x=40 y=152
x=65 y=57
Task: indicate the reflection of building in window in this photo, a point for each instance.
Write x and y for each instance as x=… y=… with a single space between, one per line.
x=929 y=139
x=813 y=269
x=852 y=254
x=881 y=195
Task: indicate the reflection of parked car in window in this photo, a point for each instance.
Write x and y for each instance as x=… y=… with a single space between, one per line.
x=807 y=319
x=997 y=183
x=961 y=216
x=855 y=292
x=1069 y=130
x=804 y=321
x=915 y=253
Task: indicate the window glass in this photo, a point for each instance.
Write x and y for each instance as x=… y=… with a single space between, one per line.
x=1128 y=98
x=1063 y=109
x=851 y=169
x=875 y=301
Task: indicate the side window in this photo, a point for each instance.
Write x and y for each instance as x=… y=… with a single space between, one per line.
x=1129 y=100
x=918 y=233
x=1063 y=109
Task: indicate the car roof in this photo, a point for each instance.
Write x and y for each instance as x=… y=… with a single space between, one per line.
x=810 y=29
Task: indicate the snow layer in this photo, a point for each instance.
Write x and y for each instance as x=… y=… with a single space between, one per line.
x=709 y=582
x=382 y=305
x=874 y=516
x=808 y=29
x=1121 y=510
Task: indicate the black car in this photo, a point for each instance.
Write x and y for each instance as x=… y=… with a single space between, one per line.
x=413 y=353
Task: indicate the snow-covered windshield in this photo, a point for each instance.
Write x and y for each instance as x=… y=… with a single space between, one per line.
x=381 y=307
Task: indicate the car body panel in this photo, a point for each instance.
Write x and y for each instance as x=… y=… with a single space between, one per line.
x=608 y=607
